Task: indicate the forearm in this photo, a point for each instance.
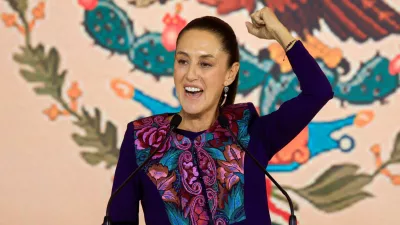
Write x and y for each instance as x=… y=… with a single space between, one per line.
x=281 y=126
x=283 y=36
x=312 y=79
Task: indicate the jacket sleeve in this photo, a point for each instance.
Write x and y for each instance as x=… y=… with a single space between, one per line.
x=278 y=128
x=124 y=208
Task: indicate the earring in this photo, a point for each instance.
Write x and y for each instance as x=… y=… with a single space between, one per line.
x=226 y=89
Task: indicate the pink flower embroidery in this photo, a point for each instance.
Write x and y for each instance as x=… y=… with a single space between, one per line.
x=221 y=134
x=190 y=172
x=152 y=137
x=159 y=176
x=233 y=164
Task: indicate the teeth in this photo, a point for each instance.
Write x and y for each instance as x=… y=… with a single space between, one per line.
x=192 y=89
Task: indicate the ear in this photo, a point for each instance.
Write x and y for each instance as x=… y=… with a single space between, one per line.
x=231 y=74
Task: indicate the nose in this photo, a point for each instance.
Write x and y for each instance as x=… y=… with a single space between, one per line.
x=192 y=73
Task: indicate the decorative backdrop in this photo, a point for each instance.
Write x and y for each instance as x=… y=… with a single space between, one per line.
x=76 y=72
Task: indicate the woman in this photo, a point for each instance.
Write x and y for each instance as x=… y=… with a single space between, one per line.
x=201 y=175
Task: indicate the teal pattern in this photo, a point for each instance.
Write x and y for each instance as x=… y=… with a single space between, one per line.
x=201 y=177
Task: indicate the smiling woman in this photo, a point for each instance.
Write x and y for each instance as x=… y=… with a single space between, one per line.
x=206 y=61
x=198 y=176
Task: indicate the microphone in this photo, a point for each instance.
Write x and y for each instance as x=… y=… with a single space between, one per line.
x=175 y=121
x=225 y=123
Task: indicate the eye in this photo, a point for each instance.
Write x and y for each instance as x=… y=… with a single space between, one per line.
x=181 y=61
x=205 y=65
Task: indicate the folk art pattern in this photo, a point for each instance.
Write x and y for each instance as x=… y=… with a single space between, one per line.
x=112 y=29
x=181 y=166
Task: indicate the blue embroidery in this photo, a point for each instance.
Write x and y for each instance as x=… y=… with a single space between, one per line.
x=184 y=170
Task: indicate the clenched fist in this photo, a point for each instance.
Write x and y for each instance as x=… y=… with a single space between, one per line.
x=264 y=24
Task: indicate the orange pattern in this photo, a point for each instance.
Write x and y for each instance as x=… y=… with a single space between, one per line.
x=10 y=19
x=376 y=149
x=295 y=151
x=74 y=92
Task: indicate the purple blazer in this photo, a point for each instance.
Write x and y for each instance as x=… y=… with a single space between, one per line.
x=205 y=177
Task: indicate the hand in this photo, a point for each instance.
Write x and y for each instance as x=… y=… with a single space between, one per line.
x=266 y=25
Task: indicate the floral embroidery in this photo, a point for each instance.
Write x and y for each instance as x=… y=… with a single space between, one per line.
x=190 y=173
x=159 y=175
x=199 y=215
x=152 y=137
x=227 y=173
x=198 y=180
x=220 y=136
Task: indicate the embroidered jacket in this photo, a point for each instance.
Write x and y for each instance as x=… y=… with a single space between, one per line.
x=206 y=178
x=201 y=178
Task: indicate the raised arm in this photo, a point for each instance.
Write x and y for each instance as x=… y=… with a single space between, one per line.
x=124 y=209
x=281 y=126
x=278 y=128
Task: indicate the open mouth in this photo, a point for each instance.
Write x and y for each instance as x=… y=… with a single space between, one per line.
x=193 y=91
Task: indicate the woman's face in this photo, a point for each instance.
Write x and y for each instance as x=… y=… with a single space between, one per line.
x=201 y=71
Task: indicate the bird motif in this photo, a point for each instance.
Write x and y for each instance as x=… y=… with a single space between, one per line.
x=360 y=20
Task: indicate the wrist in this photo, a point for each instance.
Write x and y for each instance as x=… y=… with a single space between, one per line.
x=282 y=36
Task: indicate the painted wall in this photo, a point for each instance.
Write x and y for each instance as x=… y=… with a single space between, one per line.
x=74 y=73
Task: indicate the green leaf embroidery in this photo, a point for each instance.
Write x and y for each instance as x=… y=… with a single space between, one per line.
x=216 y=153
x=141 y=156
x=170 y=159
x=334 y=173
x=92 y=158
x=338 y=187
x=240 y=175
x=234 y=208
x=175 y=215
x=105 y=142
x=32 y=76
x=344 y=202
x=18 y=5
x=43 y=70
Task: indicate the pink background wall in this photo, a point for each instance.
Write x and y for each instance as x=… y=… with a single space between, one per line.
x=44 y=179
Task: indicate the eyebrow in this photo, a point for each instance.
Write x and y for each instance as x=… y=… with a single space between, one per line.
x=202 y=56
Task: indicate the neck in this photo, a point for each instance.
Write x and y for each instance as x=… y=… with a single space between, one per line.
x=198 y=122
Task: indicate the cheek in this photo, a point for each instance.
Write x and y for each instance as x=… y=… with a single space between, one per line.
x=178 y=74
x=214 y=82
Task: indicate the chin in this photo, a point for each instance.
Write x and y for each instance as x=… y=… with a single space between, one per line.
x=195 y=105
x=192 y=108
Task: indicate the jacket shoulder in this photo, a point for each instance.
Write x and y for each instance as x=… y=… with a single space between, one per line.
x=241 y=107
x=153 y=120
x=245 y=112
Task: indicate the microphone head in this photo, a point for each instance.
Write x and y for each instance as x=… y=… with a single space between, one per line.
x=175 y=121
x=223 y=121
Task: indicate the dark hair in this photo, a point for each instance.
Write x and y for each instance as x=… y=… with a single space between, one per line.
x=229 y=44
